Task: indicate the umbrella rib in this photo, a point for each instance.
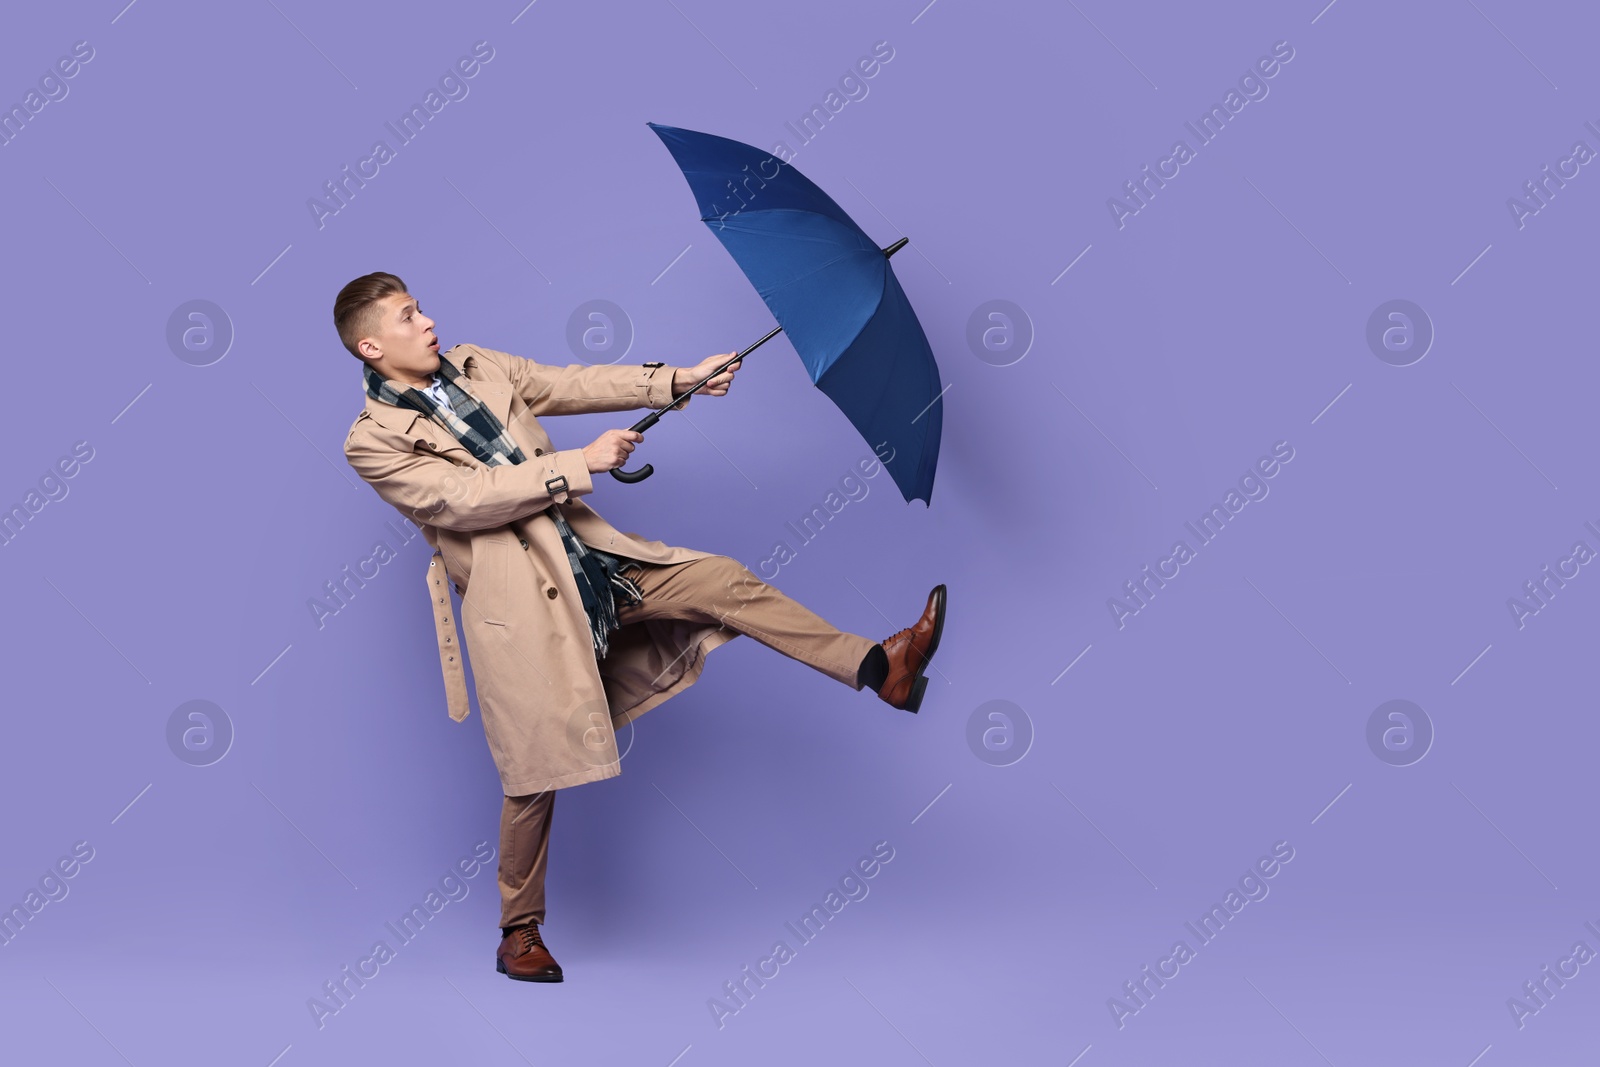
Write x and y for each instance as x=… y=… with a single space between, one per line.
x=877 y=400
x=820 y=267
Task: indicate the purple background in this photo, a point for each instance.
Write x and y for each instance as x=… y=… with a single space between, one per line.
x=1230 y=713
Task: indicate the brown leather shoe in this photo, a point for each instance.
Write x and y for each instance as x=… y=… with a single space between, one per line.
x=522 y=956
x=909 y=652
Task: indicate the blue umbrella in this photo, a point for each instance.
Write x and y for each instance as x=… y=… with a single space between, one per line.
x=832 y=291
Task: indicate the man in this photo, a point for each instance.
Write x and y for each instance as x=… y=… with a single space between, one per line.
x=575 y=628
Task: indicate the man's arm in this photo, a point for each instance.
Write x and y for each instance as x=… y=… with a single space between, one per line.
x=576 y=388
x=431 y=489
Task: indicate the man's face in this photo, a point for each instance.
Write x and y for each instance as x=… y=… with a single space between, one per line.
x=404 y=347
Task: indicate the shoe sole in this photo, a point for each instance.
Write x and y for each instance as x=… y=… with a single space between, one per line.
x=919 y=681
x=500 y=965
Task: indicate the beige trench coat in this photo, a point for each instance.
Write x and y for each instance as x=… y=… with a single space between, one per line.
x=550 y=709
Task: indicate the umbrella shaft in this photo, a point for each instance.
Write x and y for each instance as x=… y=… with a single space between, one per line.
x=655 y=416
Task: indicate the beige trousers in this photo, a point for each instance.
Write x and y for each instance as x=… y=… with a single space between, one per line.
x=714 y=589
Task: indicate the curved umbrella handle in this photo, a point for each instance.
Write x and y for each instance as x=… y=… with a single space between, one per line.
x=633 y=476
x=647 y=470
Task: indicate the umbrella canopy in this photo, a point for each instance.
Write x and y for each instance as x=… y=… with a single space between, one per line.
x=832 y=291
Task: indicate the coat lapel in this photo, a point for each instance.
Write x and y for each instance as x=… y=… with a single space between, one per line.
x=496 y=396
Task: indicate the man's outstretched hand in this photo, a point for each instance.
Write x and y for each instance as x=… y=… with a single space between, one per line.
x=683 y=377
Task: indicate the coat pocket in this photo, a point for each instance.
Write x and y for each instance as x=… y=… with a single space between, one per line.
x=487 y=594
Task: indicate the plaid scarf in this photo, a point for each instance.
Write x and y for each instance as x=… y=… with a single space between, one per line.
x=477 y=428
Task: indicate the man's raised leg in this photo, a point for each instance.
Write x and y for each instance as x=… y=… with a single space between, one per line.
x=721 y=589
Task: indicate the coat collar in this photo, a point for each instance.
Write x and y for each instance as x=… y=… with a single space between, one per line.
x=496 y=396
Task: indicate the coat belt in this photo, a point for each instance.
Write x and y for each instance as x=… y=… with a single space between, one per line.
x=455 y=679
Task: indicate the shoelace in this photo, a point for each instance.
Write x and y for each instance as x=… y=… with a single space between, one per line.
x=530 y=937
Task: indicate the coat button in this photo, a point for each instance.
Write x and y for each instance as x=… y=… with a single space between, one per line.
x=524 y=541
x=538 y=451
x=551 y=594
